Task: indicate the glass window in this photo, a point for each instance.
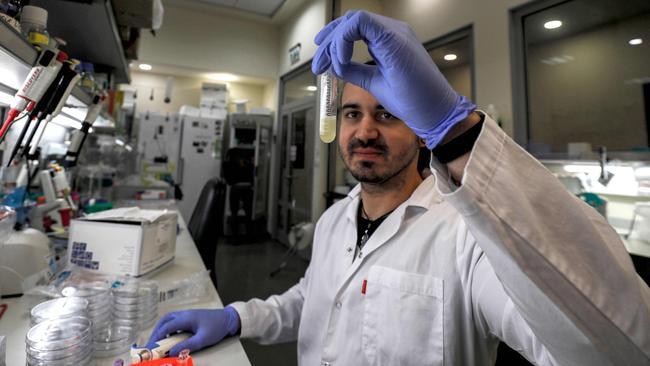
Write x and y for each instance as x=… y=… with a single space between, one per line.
x=454 y=59
x=587 y=72
x=299 y=86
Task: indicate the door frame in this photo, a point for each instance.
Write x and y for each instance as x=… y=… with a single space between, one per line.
x=287 y=110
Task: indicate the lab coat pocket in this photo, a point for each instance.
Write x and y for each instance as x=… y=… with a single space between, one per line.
x=403 y=318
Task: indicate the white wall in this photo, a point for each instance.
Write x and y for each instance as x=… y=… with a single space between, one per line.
x=212 y=41
x=302 y=28
x=432 y=19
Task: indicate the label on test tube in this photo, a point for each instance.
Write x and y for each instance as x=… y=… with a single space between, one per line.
x=328 y=100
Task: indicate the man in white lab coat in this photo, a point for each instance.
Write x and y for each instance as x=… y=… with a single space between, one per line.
x=407 y=271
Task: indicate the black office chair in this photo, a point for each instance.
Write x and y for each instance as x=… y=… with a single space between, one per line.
x=206 y=224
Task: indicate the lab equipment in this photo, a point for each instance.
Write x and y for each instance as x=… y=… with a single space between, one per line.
x=33 y=23
x=65 y=341
x=38 y=80
x=25 y=253
x=405 y=80
x=64 y=307
x=160 y=349
x=209 y=326
x=327 y=111
x=125 y=241
x=79 y=137
x=250 y=135
x=68 y=82
x=199 y=157
x=169 y=361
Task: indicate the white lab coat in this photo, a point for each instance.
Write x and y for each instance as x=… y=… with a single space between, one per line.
x=509 y=255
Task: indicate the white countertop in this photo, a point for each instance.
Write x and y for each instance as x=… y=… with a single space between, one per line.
x=15 y=321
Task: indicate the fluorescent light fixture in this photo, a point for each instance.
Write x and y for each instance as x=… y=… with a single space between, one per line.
x=145 y=67
x=587 y=169
x=635 y=41
x=450 y=57
x=119 y=142
x=223 y=76
x=6 y=99
x=553 y=24
x=66 y=121
x=311 y=88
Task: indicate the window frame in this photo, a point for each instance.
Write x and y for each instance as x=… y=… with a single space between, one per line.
x=519 y=76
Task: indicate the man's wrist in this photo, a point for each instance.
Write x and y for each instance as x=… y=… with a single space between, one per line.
x=234 y=321
x=464 y=125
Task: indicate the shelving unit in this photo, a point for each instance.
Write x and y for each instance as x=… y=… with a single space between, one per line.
x=92 y=37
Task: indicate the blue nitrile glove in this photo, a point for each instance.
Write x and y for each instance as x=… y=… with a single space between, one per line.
x=404 y=80
x=209 y=326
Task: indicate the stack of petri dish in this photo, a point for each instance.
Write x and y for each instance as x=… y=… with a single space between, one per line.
x=115 y=339
x=60 y=342
x=99 y=299
x=64 y=307
x=135 y=302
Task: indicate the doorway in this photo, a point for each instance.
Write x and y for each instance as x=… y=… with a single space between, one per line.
x=294 y=192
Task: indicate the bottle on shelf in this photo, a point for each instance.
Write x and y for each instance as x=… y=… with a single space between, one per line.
x=33 y=23
x=87 y=77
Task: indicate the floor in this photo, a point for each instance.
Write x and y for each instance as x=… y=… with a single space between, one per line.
x=243 y=273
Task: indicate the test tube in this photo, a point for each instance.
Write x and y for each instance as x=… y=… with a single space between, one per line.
x=328 y=99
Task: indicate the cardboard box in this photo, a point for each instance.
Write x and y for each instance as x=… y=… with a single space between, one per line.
x=124 y=241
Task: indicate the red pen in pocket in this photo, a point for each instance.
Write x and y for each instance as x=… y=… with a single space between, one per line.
x=363 y=287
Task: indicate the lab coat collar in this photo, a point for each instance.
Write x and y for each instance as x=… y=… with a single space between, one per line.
x=424 y=196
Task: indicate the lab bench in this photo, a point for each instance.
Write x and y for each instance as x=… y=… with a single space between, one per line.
x=15 y=321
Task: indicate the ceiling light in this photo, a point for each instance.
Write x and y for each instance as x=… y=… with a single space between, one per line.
x=311 y=88
x=145 y=67
x=222 y=76
x=635 y=41
x=553 y=24
x=119 y=142
x=450 y=57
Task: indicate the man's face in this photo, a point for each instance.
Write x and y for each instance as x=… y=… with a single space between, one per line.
x=374 y=145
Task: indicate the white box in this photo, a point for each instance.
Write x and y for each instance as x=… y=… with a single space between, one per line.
x=124 y=241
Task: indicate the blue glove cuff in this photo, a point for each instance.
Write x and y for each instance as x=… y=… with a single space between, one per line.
x=435 y=135
x=232 y=323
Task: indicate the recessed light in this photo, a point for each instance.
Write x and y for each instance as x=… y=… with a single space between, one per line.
x=553 y=24
x=311 y=88
x=635 y=41
x=145 y=67
x=450 y=57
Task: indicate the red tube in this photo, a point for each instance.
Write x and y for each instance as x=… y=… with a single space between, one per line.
x=11 y=116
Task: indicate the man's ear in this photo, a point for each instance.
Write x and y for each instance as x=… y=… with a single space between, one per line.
x=421 y=142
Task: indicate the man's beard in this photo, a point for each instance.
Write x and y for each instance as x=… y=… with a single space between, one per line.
x=364 y=172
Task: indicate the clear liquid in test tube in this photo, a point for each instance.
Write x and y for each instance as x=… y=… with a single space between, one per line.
x=327 y=114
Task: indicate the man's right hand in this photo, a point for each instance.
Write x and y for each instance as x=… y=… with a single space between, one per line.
x=208 y=326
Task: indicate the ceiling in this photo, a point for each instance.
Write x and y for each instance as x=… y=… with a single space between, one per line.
x=261 y=7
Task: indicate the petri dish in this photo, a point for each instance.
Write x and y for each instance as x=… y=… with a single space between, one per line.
x=59 y=308
x=56 y=334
